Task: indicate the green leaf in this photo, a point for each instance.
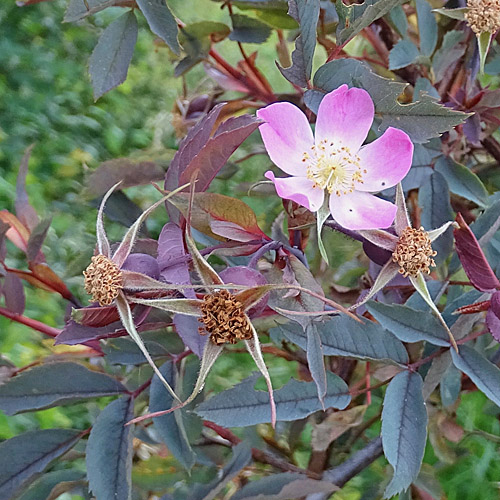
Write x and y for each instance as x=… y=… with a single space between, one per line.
x=109 y=62
x=23 y=456
x=170 y=427
x=285 y=486
x=354 y=18
x=427 y=27
x=78 y=9
x=409 y=325
x=241 y=405
x=397 y=16
x=462 y=181
x=42 y=487
x=242 y=455
x=404 y=430
x=248 y=30
x=403 y=54
x=366 y=340
x=482 y=372
x=453 y=13
x=306 y=13
x=434 y=198
x=109 y=452
x=161 y=21
x=53 y=384
x=421 y=120
x=450 y=386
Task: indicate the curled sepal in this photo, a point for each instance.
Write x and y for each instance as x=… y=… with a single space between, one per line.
x=135 y=281
x=321 y=216
x=189 y=307
x=253 y=347
x=483 y=43
x=128 y=241
x=402 y=220
x=436 y=233
x=386 y=274
x=128 y=322
x=421 y=287
x=102 y=240
x=207 y=274
x=248 y=298
x=381 y=239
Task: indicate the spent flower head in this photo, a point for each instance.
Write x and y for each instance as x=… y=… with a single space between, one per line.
x=483 y=16
x=333 y=163
x=412 y=255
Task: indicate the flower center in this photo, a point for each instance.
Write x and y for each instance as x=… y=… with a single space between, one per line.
x=103 y=280
x=414 y=252
x=334 y=167
x=483 y=16
x=224 y=318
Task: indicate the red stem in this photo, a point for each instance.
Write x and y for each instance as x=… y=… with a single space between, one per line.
x=32 y=323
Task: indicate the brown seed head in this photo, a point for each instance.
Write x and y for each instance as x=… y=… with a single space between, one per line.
x=483 y=16
x=414 y=252
x=103 y=280
x=224 y=318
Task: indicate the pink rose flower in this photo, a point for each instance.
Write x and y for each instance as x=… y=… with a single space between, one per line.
x=334 y=159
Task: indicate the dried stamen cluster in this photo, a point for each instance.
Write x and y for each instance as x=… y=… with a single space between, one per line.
x=224 y=318
x=103 y=280
x=483 y=16
x=414 y=252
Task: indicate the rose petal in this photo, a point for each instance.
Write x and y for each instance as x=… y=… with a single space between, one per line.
x=359 y=210
x=287 y=135
x=345 y=115
x=298 y=189
x=386 y=160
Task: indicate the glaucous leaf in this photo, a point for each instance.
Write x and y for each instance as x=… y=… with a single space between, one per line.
x=306 y=13
x=473 y=259
x=109 y=451
x=109 y=62
x=242 y=405
x=24 y=456
x=409 y=325
x=248 y=30
x=427 y=27
x=482 y=372
x=124 y=351
x=403 y=54
x=343 y=336
x=170 y=427
x=315 y=361
x=53 y=384
x=78 y=9
x=285 y=486
x=242 y=455
x=42 y=487
x=161 y=21
x=404 y=429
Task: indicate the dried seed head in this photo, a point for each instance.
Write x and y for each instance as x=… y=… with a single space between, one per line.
x=224 y=318
x=103 y=280
x=414 y=252
x=483 y=16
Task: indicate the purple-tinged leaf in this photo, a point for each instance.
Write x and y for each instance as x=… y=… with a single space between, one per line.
x=172 y=257
x=23 y=457
x=128 y=172
x=161 y=22
x=482 y=372
x=13 y=291
x=473 y=259
x=404 y=430
x=170 y=427
x=242 y=405
x=493 y=324
x=35 y=241
x=215 y=153
x=142 y=263
x=187 y=329
x=306 y=13
x=109 y=452
x=95 y=316
x=74 y=333
x=109 y=62
x=231 y=231
x=55 y=384
x=24 y=211
x=495 y=304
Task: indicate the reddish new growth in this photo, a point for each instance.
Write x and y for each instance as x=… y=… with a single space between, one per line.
x=224 y=319
x=414 y=252
x=103 y=280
